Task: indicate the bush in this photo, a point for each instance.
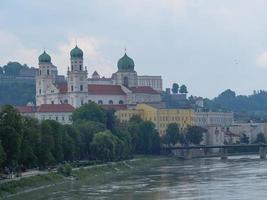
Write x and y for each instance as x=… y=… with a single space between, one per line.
x=65 y=170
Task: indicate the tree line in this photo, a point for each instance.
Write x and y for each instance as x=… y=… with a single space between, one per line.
x=94 y=135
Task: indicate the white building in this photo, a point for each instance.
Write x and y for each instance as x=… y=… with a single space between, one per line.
x=205 y=119
x=251 y=130
x=125 y=87
x=58 y=112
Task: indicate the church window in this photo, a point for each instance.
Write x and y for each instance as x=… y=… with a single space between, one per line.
x=110 y=102
x=48 y=72
x=40 y=91
x=66 y=101
x=80 y=67
x=121 y=102
x=63 y=118
x=52 y=102
x=71 y=67
x=40 y=72
x=81 y=102
x=56 y=118
x=125 y=81
x=81 y=87
x=72 y=88
x=100 y=102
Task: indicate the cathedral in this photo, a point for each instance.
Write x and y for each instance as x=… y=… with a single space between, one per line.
x=123 y=89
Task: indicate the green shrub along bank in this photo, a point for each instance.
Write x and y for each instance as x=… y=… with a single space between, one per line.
x=95 y=135
x=95 y=173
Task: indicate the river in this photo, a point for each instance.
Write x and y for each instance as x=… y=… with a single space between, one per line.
x=201 y=179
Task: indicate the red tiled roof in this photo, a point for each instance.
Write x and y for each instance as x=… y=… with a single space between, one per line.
x=115 y=107
x=26 y=109
x=143 y=89
x=55 y=108
x=105 y=89
x=62 y=87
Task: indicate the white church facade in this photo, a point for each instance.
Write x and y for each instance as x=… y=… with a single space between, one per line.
x=123 y=88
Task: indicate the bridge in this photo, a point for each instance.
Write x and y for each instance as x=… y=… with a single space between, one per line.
x=187 y=150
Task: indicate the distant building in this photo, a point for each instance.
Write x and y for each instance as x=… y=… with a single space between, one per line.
x=159 y=115
x=251 y=130
x=125 y=87
x=61 y=113
x=205 y=119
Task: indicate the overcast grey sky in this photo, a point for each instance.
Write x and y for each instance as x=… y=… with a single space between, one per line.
x=209 y=45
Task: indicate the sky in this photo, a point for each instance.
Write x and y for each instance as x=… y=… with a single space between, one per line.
x=208 y=45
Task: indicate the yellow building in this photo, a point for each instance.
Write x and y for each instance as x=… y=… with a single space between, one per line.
x=161 y=117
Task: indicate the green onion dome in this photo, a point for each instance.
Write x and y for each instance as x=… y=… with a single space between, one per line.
x=125 y=63
x=44 y=58
x=76 y=52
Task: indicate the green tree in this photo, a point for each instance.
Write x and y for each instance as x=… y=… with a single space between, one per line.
x=183 y=89
x=104 y=146
x=46 y=146
x=11 y=134
x=90 y=112
x=260 y=138
x=71 y=143
x=175 y=88
x=13 y=68
x=194 y=134
x=148 y=138
x=2 y=155
x=172 y=134
x=87 y=130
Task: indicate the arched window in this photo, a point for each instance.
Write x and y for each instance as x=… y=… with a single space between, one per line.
x=72 y=88
x=71 y=67
x=81 y=87
x=110 y=102
x=80 y=67
x=100 y=102
x=125 y=81
x=121 y=102
x=40 y=72
x=48 y=72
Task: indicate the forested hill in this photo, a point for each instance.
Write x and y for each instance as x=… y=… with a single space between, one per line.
x=17 y=84
x=245 y=107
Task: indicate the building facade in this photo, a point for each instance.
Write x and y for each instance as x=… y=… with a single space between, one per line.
x=123 y=87
x=160 y=116
x=61 y=113
x=205 y=119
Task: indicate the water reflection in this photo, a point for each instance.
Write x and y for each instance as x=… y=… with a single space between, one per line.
x=202 y=179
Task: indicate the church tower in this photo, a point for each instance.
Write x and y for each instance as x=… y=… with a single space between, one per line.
x=77 y=79
x=45 y=79
x=126 y=75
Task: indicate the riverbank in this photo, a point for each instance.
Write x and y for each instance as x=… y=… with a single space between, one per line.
x=94 y=173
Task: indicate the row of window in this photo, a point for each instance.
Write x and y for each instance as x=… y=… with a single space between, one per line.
x=100 y=102
x=57 y=118
x=80 y=67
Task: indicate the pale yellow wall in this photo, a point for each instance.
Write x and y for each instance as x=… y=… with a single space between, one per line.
x=160 y=117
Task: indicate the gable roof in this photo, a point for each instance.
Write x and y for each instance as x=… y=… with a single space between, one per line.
x=62 y=87
x=143 y=89
x=26 y=109
x=55 y=108
x=115 y=107
x=105 y=89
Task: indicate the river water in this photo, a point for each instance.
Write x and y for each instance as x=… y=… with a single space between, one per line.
x=198 y=179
